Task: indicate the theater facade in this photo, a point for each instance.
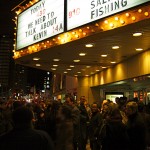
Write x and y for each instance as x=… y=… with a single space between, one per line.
x=96 y=48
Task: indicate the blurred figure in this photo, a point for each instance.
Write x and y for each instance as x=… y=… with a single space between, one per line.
x=76 y=121
x=146 y=117
x=84 y=119
x=95 y=120
x=64 y=129
x=136 y=128
x=113 y=133
x=23 y=136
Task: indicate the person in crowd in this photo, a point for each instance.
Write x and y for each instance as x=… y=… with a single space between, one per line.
x=69 y=101
x=84 y=119
x=136 y=128
x=146 y=117
x=23 y=136
x=113 y=133
x=121 y=105
x=64 y=129
x=95 y=120
x=51 y=119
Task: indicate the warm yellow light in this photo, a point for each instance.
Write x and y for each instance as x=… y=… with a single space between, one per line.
x=146 y=14
x=122 y=21
x=111 y=25
x=106 y=22
x=104 y=55
x=71 y=66
x=96 y=24
x=140 y=10
x=89 y=45
x=38 y=65
x=78 y=72
x=76 y=60
x=80 y=30
x=127 y=14
x=82 y=54
x=113 y=62
x=88 y=66
x=115 y=47
x=55 y=65
x=65 y=72
x=84 y=33
x=116 y=18
x=133 y=18
x=68 y=69
x=104 y=67
x=53 y=68
x=36 y=58
x=137 y=34
x=56 y=59
x=139 y=49
x=77 y=36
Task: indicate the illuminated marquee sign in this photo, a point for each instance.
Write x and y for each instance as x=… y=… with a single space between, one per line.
x=80 y=12
x=43 y=20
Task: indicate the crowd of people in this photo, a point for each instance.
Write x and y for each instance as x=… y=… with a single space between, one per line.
x=123 y=125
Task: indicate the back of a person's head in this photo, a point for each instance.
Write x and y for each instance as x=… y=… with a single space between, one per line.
x=17 y=104
x=22 y=116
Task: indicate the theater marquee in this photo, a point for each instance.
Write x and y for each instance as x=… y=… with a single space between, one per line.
x=80 y=12
x=41 y=21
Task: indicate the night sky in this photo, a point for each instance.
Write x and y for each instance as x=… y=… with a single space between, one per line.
x=7 y=28
x=6 y=16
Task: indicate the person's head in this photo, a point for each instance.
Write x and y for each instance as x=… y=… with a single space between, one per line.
x=114 y=112
x=131 y=108
x=64 y=112
x=22 y=117
x=94 y=107
x=82 y=100
x=69 y=99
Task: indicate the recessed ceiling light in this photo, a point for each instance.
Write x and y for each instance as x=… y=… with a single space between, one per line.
x=113 y=62
x=104 y=67
x=36 y=58
x=76 y=60
x=139 y=49
x=55 y=65
x=89 y=45
x=68 y=69
x=79 y=72
x=88 y=66
x=97 y=70
x=115 y=47
x=65 y=72
x=71 y=66
x=56 y=59
x=75 y=75
x=86 y=75
x=82 y=54
x=104 y=55
x=38 y=65
x=137 y=34
x=53 y=68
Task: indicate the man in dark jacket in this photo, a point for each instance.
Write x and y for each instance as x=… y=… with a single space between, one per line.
x=95 y=121
x=136 y=128
x=23 y=136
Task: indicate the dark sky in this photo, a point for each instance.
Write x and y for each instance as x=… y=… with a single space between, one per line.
x=6 y=16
